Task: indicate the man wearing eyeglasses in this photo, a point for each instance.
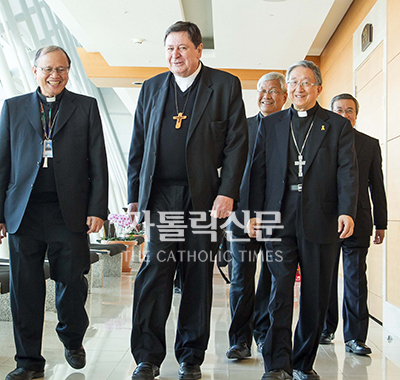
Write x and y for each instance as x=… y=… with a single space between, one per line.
x=304 y=176
x=249 y=312
x=355 y=248
x=53 y=193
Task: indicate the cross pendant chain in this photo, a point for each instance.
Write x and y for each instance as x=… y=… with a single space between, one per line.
x=179 y=119
x=300 y=163
x=180 y=115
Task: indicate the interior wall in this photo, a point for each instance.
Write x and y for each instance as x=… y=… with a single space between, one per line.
x=369 y=83
x=336 y=60
x=393 y=155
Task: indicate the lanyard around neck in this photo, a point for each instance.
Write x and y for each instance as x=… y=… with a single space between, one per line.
x=47 y=129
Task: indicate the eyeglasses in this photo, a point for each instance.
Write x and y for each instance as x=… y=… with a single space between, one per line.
x=304 y=84
x=271 y=92
x=49 y=70
x=348 y=112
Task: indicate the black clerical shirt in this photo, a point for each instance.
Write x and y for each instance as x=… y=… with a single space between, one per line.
x=300 y=128
x=171 y=158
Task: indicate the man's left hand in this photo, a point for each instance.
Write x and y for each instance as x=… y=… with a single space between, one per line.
x=345 y=226
x=94 y=223
x=379 y=236
x=222 y=207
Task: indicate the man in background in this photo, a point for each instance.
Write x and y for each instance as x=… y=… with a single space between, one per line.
x=249 y=313
x=355 y=248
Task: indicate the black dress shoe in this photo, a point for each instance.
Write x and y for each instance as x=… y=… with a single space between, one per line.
x=305 y=375
x=146 y=371
x=76 y=358
x=357 y=347
x=189 y=371
x=24 y=374
x=276 y=374
x=238 y=351
x=326 y=338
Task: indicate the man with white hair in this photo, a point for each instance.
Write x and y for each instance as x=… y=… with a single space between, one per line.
x=248 y=312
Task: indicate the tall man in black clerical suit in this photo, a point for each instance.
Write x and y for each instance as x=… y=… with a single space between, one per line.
x=304 y=169
x=355 y=248
x=53 y=192
x=188 y=153
x=249 y=313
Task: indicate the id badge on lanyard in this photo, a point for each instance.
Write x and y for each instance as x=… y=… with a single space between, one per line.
x=47 y=151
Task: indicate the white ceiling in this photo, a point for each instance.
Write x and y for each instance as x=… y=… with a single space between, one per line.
x=248 y=34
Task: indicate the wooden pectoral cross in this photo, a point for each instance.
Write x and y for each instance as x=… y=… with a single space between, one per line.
x=300 y=163
x=179 y=119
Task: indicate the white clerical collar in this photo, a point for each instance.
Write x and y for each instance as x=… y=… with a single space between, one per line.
x=185 y=83
x=302 y=113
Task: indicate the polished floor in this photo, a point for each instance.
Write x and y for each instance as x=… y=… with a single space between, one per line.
x=109 y=358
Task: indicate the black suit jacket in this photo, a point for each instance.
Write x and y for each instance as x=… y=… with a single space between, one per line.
x=370 y=178
x=330 y=182
x=80 y=164
x=235 y=225
x=217 y=138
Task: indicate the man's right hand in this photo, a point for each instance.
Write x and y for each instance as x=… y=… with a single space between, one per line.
x=134 y=214
x=3 y=231
x=253 y=227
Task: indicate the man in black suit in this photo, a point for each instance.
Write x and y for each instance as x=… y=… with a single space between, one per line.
x=187 y=157
x=249 y=313
x=304 y=178
x=355 y=248
x=53 y=192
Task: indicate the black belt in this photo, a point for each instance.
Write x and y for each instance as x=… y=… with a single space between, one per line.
x=298 y=187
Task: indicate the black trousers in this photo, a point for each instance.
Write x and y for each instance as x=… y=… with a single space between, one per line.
x=154 y=284
x=43 y=231
x=249 y=312
x=316 y=263
x=355 y=309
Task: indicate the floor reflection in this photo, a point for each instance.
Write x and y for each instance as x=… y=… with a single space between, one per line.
x=107 y=344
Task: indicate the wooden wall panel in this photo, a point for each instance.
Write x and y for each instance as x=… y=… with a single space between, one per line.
x=393 y=28
x=372 y=66
x=340 y=78
x=393 y=97
x=375 y=306
x=344 y=33
x=393 y=179
x=371 y=118
x=375 y=269
x=393 y=263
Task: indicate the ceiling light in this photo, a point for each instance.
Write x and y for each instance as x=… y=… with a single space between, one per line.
x=138 y=41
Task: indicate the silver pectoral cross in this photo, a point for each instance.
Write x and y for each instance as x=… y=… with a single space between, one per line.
x=300 y=163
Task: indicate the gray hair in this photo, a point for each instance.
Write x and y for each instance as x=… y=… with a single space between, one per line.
x=345 y=96
x=49 y=49
x=272 y=76
x=307 y=65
